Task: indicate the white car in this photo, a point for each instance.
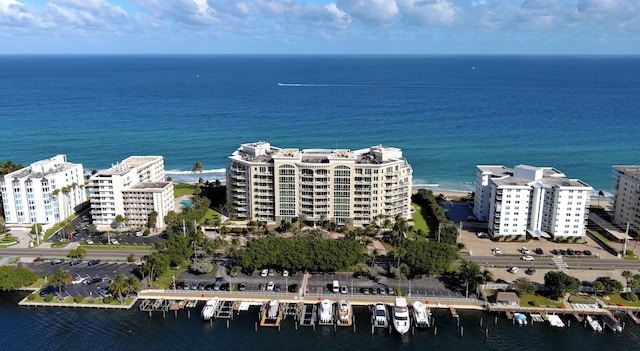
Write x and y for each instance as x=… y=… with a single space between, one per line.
x=496 y=251
x=89 y=242
x=78 y=280
x=285 y=273
x=524 y=250
x=139 y=233
x=527 y=258
x=270 y=286
x=114 y=242
x=514 y=270
x=343 y=289
x=264 y=272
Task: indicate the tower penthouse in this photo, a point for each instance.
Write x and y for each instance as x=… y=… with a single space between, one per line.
x=272 y=184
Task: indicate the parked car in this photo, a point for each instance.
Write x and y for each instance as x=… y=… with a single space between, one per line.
x=217 y=285
x=364 y=291
x=56 y=261
x=527 y=258
x=75 y=262
x=277 y=287
x=538 y=251
x=482 y=235
x=93 y=262
x=202 y=285
x=261 y=287
x=270 y=286
x=524 y=251
x=285 y=273
x=343 y=289
x=94 y=280
x=139 y=233
x=390 y=290
x=514 y=270
x=242 y=287
x=272 y=272
x=293 y=288
x=555 y=252
x=264 y=272
x=587 y=252
x=530 y=271
x=496 y=251
x=89 y=242
x=114 y=242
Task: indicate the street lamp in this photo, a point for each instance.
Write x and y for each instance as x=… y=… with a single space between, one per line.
x=174 y=282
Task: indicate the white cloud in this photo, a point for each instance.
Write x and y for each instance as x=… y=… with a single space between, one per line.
x=15 y=13
x=428 y=12
x=370 y=11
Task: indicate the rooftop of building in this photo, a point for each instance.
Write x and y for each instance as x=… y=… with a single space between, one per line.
x=127 y=165
x=149 y=185
x=263 y=152
x=525 y=175
x=630 y=170
x=43 y=168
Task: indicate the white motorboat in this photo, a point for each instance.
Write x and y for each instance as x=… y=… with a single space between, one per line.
x=380 y=316
x=273 y=309
x=345 y=313
x=400 y=316
x=209 y=308
x=421 y=315
x=594 y=324
x=555 y=321
x=520 y=318
x=325 y=316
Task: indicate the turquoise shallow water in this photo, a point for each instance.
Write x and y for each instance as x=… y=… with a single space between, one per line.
x=448 y=113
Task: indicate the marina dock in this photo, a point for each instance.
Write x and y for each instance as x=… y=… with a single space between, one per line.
x=308 y=315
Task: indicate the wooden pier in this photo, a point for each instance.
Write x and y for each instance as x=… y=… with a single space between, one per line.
x=291 y=309
x=536 y=317
x=271 y=314
x=633 y=317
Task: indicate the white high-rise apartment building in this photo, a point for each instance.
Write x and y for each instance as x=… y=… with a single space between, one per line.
x=271 y=184
x=45 y=192
x=534 y=201
x=133 y=188
x=626 y=206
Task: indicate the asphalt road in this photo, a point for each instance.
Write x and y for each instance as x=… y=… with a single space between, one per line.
x=547 y=262
x=62 y=253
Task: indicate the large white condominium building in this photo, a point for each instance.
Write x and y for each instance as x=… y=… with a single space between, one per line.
x=46 y=192
x=534 y=201
x=133 y=188
x=271 y=184
x=626 y=207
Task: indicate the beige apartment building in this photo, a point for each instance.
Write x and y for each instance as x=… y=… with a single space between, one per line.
x=133 y=188
x=270 y=184
x=626 y=206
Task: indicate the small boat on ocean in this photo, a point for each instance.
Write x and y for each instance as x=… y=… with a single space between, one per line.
x=345 y=314
x=325 y=316
x=400 y=316
x=593 y=323
x=520 y=318
x=380 y=318
x=421 y=315
x=209 y=308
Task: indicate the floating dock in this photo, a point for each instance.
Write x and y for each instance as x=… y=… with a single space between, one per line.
x=271 y=314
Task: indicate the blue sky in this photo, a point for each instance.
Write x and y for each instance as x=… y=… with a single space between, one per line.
x=321 y=26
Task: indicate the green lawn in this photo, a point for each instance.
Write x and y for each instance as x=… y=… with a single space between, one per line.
x=418 y=220
x=211 y=215
x=619 y=301
x=600 y=236
x=181 y=189
x=527 y=300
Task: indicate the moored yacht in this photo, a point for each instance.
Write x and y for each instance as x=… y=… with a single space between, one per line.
x=400 y=316
x=594 y=324
x=325 y=316
x=520 y=318
x=209 y=309
x=345 y=313
x=421 y=315
x=380 y=318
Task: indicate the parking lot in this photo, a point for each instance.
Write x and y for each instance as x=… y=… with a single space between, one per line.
x=96 y=278
x=253 y=282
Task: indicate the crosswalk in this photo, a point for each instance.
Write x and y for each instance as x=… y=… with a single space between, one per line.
x=559 y=262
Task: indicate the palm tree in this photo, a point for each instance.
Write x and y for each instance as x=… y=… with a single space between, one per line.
x=627 y=275
x=59 y=278
x=487 y=276
x=600 y=195
x=66 y=190
x=197 y=167
x=134 y=284
x=119 y=286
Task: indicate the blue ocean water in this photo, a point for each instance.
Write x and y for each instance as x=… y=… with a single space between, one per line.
x=448 y=113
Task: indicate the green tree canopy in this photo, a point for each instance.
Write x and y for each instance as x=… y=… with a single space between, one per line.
x=560 y=283
x=610 y=285
x=469 y=272
x=424 y=257
x=14 y=278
